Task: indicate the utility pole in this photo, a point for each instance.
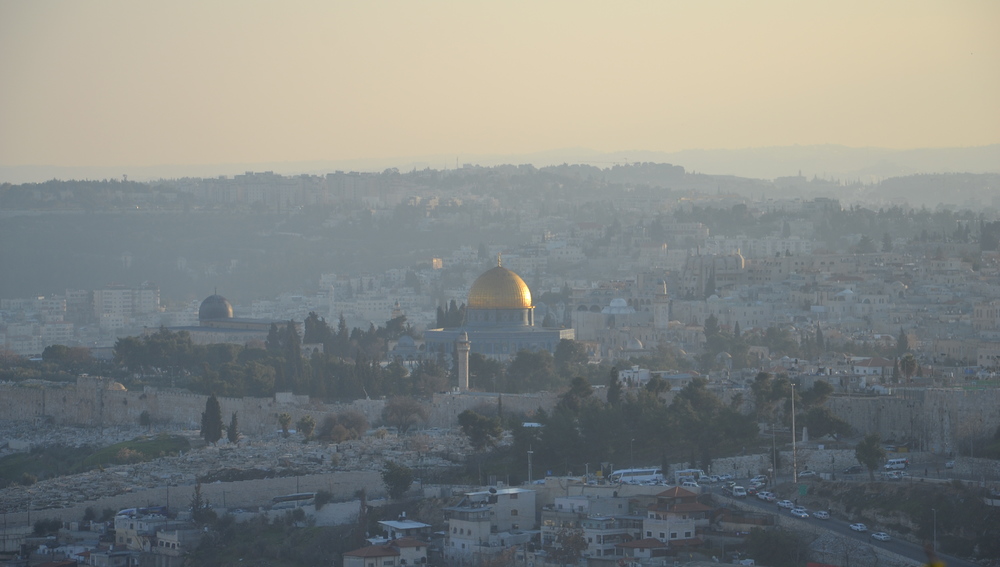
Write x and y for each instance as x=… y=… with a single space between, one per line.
x=795 y=465
x=631 y=455
x=530 y=452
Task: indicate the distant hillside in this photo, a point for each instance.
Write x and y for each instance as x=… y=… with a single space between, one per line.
x=825 y=161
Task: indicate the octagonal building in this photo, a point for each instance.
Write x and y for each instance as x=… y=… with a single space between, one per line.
x=499 y=320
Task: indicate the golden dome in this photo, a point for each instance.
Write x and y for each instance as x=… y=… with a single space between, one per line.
x=499 y=288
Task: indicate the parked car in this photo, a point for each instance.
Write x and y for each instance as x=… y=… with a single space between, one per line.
x=800 y=512
x=761 y=478
x=859 y=527
x=821 y=515
x=807 y=473
x=854 y=469
x=690 y=484
x=739 y=492
x=881 y=536
x=949 y=464
x=726 y=476
x=786 y=504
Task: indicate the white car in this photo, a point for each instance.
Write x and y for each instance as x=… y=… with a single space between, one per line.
x=881 y=536
x=800 y=512
x=859 y=527
x=766 y=496
x=726 y=476
x=786 y=504
x=949 y=464
x=807 y=473
x=821 y=515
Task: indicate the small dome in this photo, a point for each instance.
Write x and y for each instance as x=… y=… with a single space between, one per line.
x=618 y=306
x=634 y=344
x=215 y=307
x=499 y=288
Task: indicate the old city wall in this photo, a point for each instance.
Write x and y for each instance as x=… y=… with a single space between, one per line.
x=92 y=401
x=934 y=420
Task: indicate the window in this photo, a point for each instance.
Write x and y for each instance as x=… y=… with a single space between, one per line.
x=687 y=534
x=662 y=535
x=513 y=512
x=649 y=534
x=513 y=496
x=673 y=535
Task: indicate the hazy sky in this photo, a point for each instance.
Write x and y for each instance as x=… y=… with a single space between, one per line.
x=175 y=82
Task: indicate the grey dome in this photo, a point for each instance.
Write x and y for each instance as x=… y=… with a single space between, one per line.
x=215 y=307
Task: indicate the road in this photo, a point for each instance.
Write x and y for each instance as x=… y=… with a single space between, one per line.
x=842 y=527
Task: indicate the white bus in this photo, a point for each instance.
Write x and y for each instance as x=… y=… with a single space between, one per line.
x=896 y=464
x=649 y=475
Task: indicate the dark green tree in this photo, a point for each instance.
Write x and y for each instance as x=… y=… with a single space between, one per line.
x=273 y=340
x=211 y=420
x=870 y=453
x=614 y=388
x=397 y=479
x=403 y=413
x=306 y=425
x=482 y=431
x=284 y=421
x=233 y=432
x=902 y=343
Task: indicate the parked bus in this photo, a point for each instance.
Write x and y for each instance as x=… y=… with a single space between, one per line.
x=649 y=475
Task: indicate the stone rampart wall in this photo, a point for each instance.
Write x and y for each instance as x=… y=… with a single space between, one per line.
x=90 y=402
x=935 y=420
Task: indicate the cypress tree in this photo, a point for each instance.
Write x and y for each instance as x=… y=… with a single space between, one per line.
x=233 y=433
x=211 y=420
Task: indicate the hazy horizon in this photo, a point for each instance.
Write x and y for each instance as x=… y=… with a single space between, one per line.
x=139 y=85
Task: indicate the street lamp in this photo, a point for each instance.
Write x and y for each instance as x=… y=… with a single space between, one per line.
x=631 y=455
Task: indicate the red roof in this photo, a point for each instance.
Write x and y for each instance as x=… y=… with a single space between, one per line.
x=645 y=543
x=374 y=551
x=676 y=492
x=407 y=542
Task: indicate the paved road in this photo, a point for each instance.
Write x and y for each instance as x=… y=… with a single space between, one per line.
x=841 y=527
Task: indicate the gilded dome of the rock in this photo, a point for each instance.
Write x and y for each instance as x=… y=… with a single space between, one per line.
x=499 y=288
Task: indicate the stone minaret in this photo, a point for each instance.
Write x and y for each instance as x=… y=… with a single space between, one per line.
x=463 y=346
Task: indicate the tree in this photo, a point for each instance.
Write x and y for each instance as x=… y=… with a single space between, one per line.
x=866 y=245
x=870 y=453
x=397 y=479
x=211 y=420
x=144 y=419
x=711 y=328
x=306 y=425
x=908 y=366
x=403 y=413
x=201 y=511
x=886 y=242
x=569 y=546
x=285 y=421
x=233 y=433
x=482 y=431
x=902 y=343
x=614 y=388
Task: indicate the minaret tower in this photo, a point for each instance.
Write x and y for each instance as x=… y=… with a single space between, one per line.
x=463 y=346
